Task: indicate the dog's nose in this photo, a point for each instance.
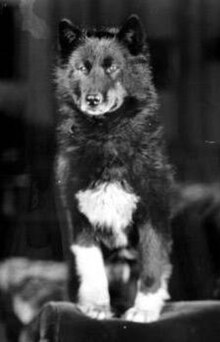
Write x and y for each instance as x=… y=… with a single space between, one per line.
x=93 y=100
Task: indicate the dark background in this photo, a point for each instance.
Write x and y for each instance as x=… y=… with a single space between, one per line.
x=184 y=40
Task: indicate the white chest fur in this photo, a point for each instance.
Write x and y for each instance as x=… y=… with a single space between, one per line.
x=108 y=206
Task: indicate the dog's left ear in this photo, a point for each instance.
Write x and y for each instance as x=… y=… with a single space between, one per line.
x=132 y=34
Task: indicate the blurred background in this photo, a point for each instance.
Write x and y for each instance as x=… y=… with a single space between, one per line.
x=184 y=41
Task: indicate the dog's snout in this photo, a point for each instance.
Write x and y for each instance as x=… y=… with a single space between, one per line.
x=94 y=100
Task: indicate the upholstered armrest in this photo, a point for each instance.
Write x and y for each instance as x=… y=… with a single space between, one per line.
x=180 y=322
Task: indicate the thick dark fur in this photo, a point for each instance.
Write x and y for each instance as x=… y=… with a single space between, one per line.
x=123 y=146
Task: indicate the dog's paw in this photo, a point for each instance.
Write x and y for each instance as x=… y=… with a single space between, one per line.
x=147 y=306
x=96 y=312
x=142 y=316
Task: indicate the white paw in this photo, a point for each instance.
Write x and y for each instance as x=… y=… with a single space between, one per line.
x=97 y=312
x=147 y=306
x=142 y=316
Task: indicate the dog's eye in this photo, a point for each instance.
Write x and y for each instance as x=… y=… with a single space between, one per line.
x=82 y=68
x=111 y=69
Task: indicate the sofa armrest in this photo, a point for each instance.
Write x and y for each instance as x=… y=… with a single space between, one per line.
x=180 y=322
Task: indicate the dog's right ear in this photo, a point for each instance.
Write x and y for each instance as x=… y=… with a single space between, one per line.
x=69 y=36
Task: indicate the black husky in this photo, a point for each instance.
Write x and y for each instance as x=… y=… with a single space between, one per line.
x=113 y=176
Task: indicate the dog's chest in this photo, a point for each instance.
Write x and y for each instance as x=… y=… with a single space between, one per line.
x=109 y=207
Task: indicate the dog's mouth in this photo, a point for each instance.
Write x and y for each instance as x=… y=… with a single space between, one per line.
x=101 y=109
x=96 y=104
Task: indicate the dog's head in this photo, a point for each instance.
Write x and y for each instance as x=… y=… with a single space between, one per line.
x=97 y=65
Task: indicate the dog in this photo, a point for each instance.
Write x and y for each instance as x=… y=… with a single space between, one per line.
x=113 y=175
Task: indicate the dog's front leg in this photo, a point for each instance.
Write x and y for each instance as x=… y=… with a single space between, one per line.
x=92 y=294
x=155 y=271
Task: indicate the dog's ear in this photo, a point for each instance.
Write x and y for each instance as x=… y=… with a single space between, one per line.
x=69 y=36
x=132 y=34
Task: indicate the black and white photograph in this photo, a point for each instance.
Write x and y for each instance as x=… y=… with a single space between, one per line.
x=109 y=171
